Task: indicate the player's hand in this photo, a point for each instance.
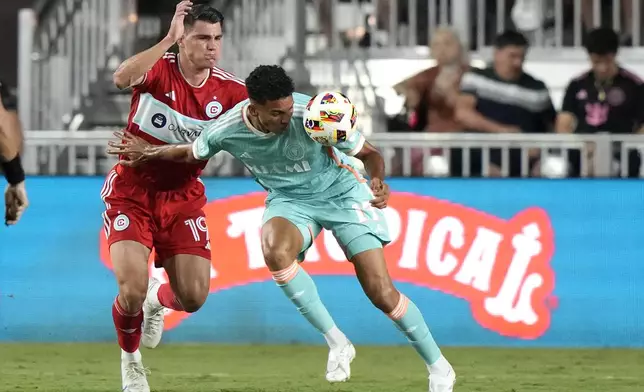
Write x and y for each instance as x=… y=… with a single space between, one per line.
x=135 y=149
x=176 y=26
x=15 y=203
x=380 y=192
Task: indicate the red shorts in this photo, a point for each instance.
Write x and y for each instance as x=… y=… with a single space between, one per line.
x=172 y=222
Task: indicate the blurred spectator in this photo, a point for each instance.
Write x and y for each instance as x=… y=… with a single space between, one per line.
x=435 y=90
x=431 y=95
x=503 y=99
x=607 y=98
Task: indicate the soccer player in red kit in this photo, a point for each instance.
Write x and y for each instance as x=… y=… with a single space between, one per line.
x=159 y=205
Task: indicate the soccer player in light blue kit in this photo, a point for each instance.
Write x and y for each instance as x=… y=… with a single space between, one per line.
x=310 y=187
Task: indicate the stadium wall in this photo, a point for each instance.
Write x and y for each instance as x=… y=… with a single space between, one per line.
x=489 y=262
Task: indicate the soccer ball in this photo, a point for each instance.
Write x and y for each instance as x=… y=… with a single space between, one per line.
x=330 y=118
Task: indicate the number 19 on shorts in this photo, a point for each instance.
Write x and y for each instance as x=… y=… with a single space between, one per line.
x=198 y=227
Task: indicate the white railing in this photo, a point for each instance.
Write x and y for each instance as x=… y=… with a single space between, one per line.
x=400 y=23
x=61 y=52
x=257 y=32
x=83 y=153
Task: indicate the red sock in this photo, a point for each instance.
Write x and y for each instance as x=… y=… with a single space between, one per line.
x=167 y=298
x=128 y=327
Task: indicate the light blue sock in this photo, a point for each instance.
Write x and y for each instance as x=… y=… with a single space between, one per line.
x=300 y=289
x=409 y=320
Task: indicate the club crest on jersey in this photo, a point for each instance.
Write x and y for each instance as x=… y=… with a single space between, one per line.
x=214 y=109
x=294 y=151
x=159 y=120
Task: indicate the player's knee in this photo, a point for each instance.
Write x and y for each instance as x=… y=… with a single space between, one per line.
x=192 y=304
x=278 y=256
x=383 y=295
x=194 y=297
x=132 y=294
x=281 y=243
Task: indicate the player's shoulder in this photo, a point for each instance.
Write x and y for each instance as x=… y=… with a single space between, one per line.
x=226 y=78
x=232 y=120
x=168 y=59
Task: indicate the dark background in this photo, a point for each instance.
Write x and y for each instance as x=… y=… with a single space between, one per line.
x=9 y=42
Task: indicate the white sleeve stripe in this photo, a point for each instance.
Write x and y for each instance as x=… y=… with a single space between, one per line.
x=358 y=146
x=225 y=73
x=195 y=152
x=220 y=76
x=143 y=79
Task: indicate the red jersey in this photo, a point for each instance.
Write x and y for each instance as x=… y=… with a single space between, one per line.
x=166 y=109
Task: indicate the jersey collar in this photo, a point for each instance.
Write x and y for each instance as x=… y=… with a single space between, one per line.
x=186 y=79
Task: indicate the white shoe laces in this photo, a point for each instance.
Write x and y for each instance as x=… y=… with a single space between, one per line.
x=154 y=320
x=136 y=373
x=338 y=357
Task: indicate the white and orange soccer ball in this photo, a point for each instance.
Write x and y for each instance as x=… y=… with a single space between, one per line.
x=330 y=118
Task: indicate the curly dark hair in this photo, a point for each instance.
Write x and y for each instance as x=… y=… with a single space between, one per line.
x=204 y=13
x=269 y=83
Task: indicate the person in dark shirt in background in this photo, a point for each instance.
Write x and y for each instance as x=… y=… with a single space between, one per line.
x=503 y=99
x=607 y=98
x=15 y=195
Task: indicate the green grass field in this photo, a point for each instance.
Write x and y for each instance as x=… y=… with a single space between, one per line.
x=214 y=368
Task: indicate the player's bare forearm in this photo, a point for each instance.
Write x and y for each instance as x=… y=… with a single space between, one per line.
x=132 y=70
x=374 y=163
x=10 y=135
x=172 y=152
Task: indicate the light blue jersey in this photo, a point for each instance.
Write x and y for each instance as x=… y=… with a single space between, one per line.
x=312 y=186
x=291 y=163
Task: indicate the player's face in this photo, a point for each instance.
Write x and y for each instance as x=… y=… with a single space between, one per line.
x=201 y=43
x=275 y=116
x=604 y=66
x=508 y=61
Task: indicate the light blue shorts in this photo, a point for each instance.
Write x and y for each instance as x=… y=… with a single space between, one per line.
x=356 y=225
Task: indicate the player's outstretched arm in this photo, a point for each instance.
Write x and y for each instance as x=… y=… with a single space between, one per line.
x=137 y=150
x=10 y=129
x=15 y=194
x=374 y=165
x=132 y=71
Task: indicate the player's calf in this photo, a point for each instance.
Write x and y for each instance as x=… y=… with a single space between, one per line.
x=192 y=296
x=130 y=260
x=371 y=270
x=281 y=243
x=190 y=283
x=161 y=296
x=131 y=269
